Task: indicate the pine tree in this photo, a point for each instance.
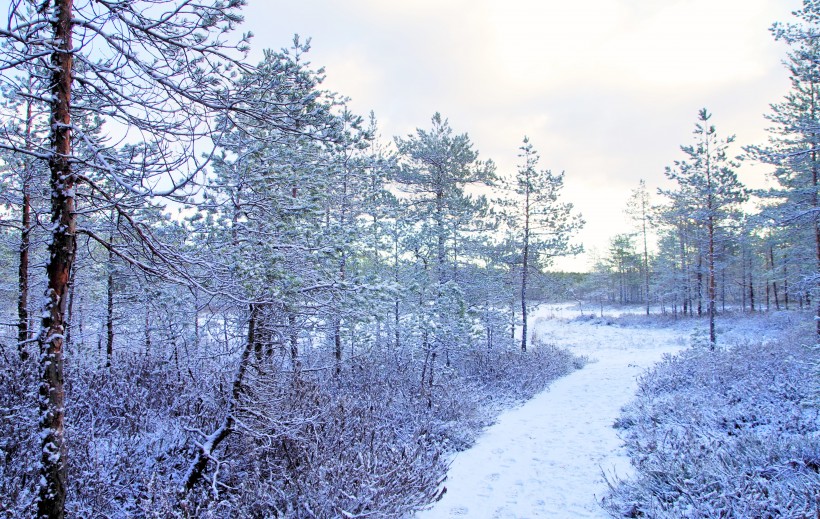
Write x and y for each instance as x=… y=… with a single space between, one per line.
x=437 y=168
x=543 y=226
x=639 y=209
x=623 y=260
x=708 y=190
x=793 y=148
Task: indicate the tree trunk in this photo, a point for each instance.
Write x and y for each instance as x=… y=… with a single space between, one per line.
x=337 y=344
x=751 y=286
x=396 y=320
x=441 y=238
x=683 y=271
x=294 y=340
x=253 y=318
x=786 y=281
x=109 y=323
x=524 y=308
x=441 y=260
x=22 y=298
x=337 y=319
x=109 y=319
x=774 y=278
x=525 y=256
x=815 y=206
x=396 y=309
x=53 y=475
x=205 y=449
x=337 y=322
x=197 y=332
x=712 y=286
x=22 y=278
x=645 y=263
x=512 y=308
x=743 y=280
x=432 y=368
x=699 y=277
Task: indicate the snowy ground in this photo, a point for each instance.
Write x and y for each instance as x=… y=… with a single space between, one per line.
x=547 y=457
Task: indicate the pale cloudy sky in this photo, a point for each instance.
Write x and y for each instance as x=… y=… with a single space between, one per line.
x=606 y=90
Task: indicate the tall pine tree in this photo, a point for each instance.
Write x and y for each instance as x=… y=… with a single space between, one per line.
x=541 y=224
x=708 y=190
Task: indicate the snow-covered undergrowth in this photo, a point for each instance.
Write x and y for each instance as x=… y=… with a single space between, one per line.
x=367 y=441
x=726 y=433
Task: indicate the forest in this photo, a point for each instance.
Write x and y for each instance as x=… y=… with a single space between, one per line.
x=224 y=294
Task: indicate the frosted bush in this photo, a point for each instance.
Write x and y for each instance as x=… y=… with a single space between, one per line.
x=726 y=433
x=367 y=441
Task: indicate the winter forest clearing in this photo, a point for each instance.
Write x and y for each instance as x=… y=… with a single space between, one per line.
x=225 y=294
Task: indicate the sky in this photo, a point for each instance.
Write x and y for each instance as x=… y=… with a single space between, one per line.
x=606 y=90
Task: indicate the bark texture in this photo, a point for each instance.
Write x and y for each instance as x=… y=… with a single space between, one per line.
x=52 y=491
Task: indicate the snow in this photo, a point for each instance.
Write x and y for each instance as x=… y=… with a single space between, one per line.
x=547 y=458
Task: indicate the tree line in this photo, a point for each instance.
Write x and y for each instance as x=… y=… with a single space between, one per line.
x=715 y=249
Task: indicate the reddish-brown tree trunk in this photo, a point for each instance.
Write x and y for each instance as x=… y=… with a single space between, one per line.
x=22 y=297
x=52 y=491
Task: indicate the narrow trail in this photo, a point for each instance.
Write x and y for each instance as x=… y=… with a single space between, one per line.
x=547 y=457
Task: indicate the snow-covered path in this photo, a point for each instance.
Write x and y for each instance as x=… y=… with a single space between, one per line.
x=545 y=458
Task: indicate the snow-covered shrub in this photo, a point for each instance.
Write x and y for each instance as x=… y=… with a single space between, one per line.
x=369 y=440
x=726 y=433
x=315 y=447
x=127 y=428
x=632 y=320
x=512 y=375
x=18 y=437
